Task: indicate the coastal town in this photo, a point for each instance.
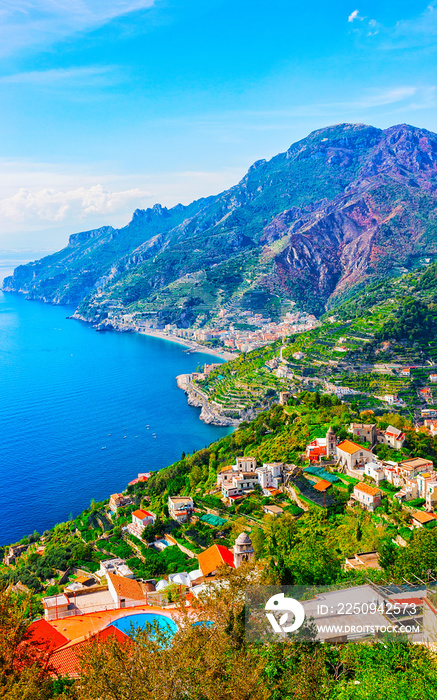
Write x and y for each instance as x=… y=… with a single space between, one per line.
x=233 y=331
x=361 y=468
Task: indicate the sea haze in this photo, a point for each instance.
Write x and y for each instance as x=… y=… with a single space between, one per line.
x=67 y=391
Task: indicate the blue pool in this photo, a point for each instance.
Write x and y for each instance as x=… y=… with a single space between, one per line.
x=138 y=620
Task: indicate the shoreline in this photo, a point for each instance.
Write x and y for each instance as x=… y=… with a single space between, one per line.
x=195 y=347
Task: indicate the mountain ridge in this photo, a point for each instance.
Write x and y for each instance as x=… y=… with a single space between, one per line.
x=343 y=206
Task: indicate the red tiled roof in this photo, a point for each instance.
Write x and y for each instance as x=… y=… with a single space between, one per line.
x=365 y=488
x=350 y=447
x=43 y=634
x=141 y=514
x=66 y=661
x=423 y=517
x=214 y=557
x=126 y=587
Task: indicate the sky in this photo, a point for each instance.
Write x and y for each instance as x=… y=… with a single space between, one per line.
x=112 y=105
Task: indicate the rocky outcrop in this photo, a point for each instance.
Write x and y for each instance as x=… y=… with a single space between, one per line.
x=196 y=398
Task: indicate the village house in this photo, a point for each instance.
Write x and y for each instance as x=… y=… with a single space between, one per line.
x=241 y=484
x=270 y=474
x=140 y=520
x=244 y=464
x=117 y=500
x=362 y=560
x=216 y=556
x=391 y=473
x=423 y=480
x=351 y=455
x=414 y=466
x=276 y=511
x=284 y=397
x=406 y=372
x=368 y=496
x=125 y=592
x=366 y=432
x=316 y=449
x=393 y=437
x=225 y=476
x=374 y=471
x=431 y=494
x=180 y=508
x=409 y=490
x=419 y=518
x=115 y=566
x=433 y=378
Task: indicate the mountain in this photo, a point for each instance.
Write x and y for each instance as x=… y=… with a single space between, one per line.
x=347 y=205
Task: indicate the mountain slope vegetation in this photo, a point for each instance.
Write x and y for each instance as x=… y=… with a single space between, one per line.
x=347 y=205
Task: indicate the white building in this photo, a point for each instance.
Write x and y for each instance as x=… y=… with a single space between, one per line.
x=393 y=437
x=244 y=464
x=140 y=520
x=116 y=566
x=180 y=508
x=350 y=455
x=270 y=475
x=375 y=471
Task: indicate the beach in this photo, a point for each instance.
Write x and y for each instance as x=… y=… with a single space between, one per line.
x=195 y=347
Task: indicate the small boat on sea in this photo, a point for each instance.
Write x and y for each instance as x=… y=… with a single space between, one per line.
x=103 y=448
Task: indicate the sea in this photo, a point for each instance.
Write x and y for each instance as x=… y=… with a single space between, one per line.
x=83 y=412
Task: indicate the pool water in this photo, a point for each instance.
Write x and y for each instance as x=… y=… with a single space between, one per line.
x=141 y=620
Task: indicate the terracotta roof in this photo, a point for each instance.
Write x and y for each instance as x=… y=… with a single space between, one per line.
x=66 y=661
x=365 y=488
x=43 y=634
x=126 y=587
x=415 y=463
x=423 y=517
x=322 y=485
x=272 y=509
x=225 y=469
x=214 y=557
x=141 y=514
x=350 y=447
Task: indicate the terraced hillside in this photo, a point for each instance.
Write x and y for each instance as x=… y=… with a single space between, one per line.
x=379 y=349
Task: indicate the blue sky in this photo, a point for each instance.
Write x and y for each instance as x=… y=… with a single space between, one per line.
x=109 y=105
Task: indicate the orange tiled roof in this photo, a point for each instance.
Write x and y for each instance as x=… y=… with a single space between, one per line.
x=66 y=661
x=365 y=488
x=43 y=634
x=350 y=447
x=141 y=514
x=422 y=517
x=214 y=557
x=126 y=587
x=322 y=485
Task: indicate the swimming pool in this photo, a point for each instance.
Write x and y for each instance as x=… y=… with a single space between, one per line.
x=139 y=620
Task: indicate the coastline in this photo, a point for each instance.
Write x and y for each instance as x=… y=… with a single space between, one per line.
x=195 y=347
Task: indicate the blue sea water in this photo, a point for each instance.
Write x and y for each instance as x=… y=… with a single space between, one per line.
x=66 y=391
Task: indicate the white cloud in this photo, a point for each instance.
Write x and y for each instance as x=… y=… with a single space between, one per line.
x=56 y=205
x=61 y=200
x=353 y=15
x=25 y=23
x=88 y=75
